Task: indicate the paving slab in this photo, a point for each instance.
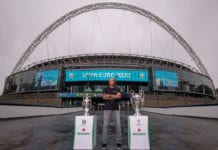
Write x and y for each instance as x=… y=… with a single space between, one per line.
x=195 y=111
x=9 y=111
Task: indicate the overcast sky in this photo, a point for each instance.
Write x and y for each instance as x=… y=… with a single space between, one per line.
x=22 y=20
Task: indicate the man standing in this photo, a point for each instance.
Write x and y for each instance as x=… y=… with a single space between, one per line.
x=111 y=96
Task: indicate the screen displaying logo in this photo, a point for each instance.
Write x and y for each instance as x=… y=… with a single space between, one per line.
x=166 y=78
x=104 y=75
x=47 y=78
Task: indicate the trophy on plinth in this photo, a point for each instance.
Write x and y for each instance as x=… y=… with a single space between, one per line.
x=85 y=127
x=138 y=126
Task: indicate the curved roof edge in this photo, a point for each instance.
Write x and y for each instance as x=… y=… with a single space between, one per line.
x=58 y=60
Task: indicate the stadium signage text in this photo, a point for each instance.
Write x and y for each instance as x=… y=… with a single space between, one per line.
x=104 y=75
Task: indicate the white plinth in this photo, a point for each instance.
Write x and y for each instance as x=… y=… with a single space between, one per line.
x=138 y=133
x=85 y=132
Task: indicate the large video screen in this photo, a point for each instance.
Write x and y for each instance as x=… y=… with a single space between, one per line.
x=104 y=75
x=47 y=78
x=166 y=78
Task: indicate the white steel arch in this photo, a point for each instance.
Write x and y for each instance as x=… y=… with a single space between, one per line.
x=110 y=5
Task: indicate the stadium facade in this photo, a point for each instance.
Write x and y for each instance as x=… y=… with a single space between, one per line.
x=63 y=81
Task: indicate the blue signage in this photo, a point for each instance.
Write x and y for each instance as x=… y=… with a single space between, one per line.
x=47 y=78
x=166 y=78
x=104 y=75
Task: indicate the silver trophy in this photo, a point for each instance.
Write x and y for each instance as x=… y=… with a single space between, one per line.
x=86 y=104
x=137 y=101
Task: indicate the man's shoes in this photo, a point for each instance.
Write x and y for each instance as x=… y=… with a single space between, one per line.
x=104 y=146
x=119 y=146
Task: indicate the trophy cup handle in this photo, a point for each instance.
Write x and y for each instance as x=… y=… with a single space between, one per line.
x=142 y=94
x=132 y=92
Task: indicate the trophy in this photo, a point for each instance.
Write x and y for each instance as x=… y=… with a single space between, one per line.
x=86 y=104
x=138 y=124
x=85 y=127
x=137 y=101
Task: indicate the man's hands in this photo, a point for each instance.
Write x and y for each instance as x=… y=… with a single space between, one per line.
x=108 y=95
x=111 y=97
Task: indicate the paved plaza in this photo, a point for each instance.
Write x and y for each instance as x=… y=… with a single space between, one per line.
x=55 y=132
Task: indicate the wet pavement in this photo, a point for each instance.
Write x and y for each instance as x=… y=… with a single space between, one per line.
x=55 y=132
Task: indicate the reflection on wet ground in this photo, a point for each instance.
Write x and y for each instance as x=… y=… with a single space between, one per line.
x=55 y=132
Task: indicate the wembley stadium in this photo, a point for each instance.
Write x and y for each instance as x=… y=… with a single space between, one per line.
x=63 y=81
